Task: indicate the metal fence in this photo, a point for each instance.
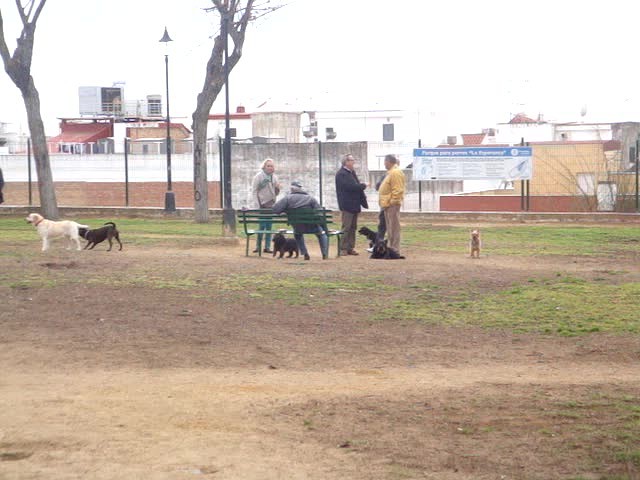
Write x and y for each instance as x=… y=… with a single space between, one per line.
x=578 y=176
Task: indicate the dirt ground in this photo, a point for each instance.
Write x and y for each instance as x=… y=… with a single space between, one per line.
x=161 y=363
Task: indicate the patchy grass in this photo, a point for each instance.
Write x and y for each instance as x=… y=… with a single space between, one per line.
x=595 y=431
x=134 y=231
x=564 y=306
x=528 y=239
x=497 y=240
x=296 y=290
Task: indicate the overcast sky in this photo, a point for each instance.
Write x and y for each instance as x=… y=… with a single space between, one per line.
x=463 y=64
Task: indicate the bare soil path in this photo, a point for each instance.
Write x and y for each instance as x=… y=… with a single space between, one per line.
x=170 y=363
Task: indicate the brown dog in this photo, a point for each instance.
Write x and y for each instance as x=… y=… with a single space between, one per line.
x=99 y=235
x=474 y=243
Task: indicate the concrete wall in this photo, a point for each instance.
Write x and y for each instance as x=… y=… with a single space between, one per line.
x=294 y=161
x=283 y=125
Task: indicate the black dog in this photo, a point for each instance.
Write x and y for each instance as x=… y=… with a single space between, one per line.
x=99 y=235
x=382 y=252
x=284 y=245
x=369 y=234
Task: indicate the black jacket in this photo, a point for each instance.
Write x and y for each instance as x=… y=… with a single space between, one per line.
x=350 y=191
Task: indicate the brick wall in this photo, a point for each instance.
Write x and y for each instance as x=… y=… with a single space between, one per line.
x=111 y=194
x=511 y=203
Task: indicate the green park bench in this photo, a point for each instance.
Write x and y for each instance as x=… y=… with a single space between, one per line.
x=250 y=219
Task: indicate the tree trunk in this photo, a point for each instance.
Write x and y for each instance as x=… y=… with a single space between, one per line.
x=48 y=203
x=200 y=183
x=212 y=85
x=18 y=67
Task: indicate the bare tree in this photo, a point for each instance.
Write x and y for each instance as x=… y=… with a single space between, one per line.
x=235 y=16
x=596 y=175
x=18 y=67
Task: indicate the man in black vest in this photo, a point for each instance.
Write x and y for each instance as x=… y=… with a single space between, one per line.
x=351 y=198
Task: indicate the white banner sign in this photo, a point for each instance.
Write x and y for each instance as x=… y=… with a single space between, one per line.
x=477 y=163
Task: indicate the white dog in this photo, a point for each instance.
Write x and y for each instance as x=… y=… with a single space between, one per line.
x=48 y=229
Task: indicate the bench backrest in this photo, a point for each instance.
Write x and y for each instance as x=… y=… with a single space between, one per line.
x=255 y=216
x=309 y=216
x=297 y=216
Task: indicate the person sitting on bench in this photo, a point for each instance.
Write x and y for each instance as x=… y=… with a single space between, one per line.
x=298 y=198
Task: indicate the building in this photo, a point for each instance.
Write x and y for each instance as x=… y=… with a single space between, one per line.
x=83 y=135
x=386 y=131
x=107 y=135
x=577 y=166
x=12 y=141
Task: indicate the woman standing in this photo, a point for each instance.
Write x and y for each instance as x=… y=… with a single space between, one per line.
x=264 y=190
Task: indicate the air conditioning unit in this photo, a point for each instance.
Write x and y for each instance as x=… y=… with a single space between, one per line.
x=330 y=133
x=311 y=130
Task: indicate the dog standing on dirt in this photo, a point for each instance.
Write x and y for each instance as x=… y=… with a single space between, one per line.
x=99 y=235
x=282 y=245
x=474 y=243
x=48 y=229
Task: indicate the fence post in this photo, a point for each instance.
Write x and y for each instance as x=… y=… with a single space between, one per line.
x=419 y=181
x=637 y=171
x=320 y=168
x=29 y=170
x=221 y=171
x=126 y=172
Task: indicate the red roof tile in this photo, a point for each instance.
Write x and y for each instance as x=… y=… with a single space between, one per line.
x=469 y=139
x=82 y=132
x=521 y=118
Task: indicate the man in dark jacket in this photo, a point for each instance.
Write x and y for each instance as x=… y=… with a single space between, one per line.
x=298 y=198
x=351 y=197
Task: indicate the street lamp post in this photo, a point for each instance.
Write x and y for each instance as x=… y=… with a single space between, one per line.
x=228 y=214
x=169 y=196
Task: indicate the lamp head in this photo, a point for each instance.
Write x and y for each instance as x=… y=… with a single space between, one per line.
x=165 y=38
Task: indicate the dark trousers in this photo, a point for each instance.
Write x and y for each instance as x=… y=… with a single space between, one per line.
x=323 y=240
x=349 y=226
x=382 y=225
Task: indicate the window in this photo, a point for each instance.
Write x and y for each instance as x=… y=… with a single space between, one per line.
x=387 y=132
x=155 y=107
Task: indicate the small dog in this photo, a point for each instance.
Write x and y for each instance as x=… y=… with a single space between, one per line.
x=48 y=229
x=369 y=234
x=282 y=245
x=382 y=252
x=99 y=235
x=474 y=244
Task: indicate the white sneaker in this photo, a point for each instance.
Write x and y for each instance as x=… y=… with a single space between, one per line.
x=370 y=249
